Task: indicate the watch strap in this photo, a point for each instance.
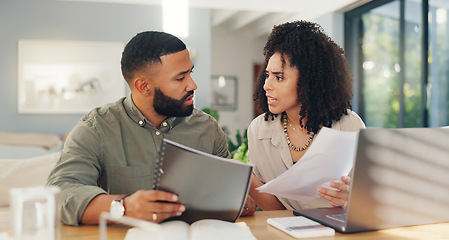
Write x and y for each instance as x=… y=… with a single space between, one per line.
x=121 y=198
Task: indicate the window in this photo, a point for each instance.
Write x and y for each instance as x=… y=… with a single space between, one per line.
x=438 y=62
x=398 y=51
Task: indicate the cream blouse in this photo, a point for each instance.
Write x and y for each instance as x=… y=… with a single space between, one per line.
x=270 y=155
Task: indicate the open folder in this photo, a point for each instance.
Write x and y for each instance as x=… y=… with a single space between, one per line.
x=211 y=187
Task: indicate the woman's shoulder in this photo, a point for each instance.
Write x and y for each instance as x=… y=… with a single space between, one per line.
x=262 y=128
x=353 y=115
x=261 y=121
x=350 y=122
x=258 y=119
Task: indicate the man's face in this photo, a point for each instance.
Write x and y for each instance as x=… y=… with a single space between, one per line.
x=170 y=107
x=173 y=86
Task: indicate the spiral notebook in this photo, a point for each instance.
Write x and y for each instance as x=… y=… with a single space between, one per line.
x=211 y=187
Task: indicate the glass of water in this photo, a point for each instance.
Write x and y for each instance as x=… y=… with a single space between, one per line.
x=36 y=213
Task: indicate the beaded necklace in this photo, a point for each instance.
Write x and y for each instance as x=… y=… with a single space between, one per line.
x=311 y=135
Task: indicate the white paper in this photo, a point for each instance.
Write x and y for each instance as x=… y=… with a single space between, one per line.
x=328 y=158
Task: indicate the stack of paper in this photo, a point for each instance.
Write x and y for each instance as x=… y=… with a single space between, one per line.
x=329 y=158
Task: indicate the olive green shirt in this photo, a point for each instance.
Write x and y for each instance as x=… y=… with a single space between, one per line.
x=113 y=150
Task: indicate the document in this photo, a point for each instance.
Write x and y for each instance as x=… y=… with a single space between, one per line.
x=205 y=229
x=329 y=157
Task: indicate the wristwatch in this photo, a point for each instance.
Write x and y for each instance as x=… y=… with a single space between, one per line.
x=117 y=207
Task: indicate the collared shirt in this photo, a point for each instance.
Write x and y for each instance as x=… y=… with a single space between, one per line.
x=270 y=155
x=113 y=150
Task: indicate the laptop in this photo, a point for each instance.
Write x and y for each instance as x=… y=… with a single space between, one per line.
x=400 y=178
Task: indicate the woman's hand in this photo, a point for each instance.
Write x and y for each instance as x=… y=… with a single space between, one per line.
x=337 y=198
x=250 y=207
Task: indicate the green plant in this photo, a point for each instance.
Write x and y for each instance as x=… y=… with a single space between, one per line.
x=238 y=149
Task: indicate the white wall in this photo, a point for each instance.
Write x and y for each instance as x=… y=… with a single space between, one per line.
x=234 y=53
x=333 y=25
x=230 y=53
x=82 y=21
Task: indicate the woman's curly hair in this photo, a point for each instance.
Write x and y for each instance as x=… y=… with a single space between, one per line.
x=325 y=80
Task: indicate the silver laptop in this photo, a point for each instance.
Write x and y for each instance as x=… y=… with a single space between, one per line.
x=400 y=178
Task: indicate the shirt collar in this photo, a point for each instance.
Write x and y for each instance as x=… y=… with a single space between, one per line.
x=136 y=115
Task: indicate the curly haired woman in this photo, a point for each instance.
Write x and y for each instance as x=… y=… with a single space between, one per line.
x=306 y=85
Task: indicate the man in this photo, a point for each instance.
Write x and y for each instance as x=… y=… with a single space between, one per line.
x=112 y=150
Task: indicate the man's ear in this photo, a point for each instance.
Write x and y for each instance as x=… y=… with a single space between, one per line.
x=142 y=86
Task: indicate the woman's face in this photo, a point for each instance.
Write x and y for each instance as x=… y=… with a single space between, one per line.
x=280 y=85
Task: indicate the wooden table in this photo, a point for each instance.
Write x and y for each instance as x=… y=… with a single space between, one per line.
x=262 y=231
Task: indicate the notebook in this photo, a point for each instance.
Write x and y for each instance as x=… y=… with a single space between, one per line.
x=400 y=179
x=211 y=187
x=300 y=227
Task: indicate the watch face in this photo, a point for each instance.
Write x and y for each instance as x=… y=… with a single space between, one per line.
x=117 y=209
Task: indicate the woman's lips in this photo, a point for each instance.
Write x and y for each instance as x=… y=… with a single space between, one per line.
x=271 y=100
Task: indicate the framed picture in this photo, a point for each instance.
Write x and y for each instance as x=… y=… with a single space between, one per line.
x=68 y=76
x=224 y=93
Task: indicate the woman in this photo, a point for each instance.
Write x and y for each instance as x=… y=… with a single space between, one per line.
x=306 y=85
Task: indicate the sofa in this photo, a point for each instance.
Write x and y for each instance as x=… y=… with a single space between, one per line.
x=26 y=160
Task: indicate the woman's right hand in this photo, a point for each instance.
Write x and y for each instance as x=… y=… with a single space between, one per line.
x=337 y=198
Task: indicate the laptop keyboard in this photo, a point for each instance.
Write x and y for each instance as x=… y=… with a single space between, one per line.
x=338 y=217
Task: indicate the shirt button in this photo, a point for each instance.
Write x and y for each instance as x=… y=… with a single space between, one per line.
x=158 y=133
x=164 y=124
x=141 y=123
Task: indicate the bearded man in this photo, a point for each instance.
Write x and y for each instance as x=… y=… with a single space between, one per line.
x=109 y=157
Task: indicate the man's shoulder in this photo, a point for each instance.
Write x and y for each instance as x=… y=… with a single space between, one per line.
x=201 y=117
x=106 y=112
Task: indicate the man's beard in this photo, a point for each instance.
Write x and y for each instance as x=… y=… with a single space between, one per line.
x=170 y=107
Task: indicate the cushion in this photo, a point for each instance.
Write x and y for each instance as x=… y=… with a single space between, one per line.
x=44 y=140
x=26 y=172
x=21 y=152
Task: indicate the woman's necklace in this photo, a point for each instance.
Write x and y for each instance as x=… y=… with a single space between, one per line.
x=293 y=127
x=311 y=135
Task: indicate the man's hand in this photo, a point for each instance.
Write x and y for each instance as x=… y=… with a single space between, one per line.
x=153 y=205
x=249 y=208
x=337 y=198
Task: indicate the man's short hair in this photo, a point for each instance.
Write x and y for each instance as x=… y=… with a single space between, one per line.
x=146 y=48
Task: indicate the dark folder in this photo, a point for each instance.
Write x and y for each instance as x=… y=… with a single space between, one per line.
x=211 y=187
